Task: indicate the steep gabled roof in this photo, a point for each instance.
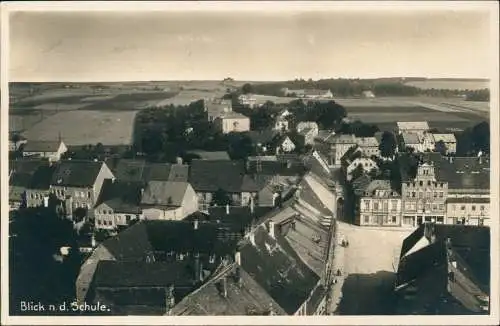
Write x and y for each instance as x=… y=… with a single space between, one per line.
x=277 y=268
x=76 y=173
x=121 y=196
x=164 y=193
x=42 y=146
x=214 y=175
x=413 y=125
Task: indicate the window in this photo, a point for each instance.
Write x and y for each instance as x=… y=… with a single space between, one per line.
x=441 y=207
x=473 y=207
x=462 y=208
x=420 y=194
x=394 y=204
x=386 y=206
x=421 y=183
x=454 y=207
x=481 y=207
x=375 y=206
x=413 y=194
x=367 y=204
x=367 y=218
x=441 y=194
x=428 y=183
x=393 y=219
x=429 y=194
x=89 y=195
x=434 y=207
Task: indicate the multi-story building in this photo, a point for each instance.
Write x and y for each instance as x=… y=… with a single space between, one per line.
x=417 y=127
x=468 y=211
x=369 y=145
x=232 y=122
x=334 y=147
x=309 y=130
x=424 y=197
x=217 y=107
x=354 y=158
x=248 y=100
x=78 y=184
x=379 y=205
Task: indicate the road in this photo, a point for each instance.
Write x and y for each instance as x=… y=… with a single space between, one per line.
x=368 y=270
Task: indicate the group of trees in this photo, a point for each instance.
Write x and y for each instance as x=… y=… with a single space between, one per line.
x=36 y=236
x=328 y=115
x=473 y=140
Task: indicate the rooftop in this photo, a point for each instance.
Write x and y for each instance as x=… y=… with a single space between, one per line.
x=76 y=173
x=447 y=138
x=42 y=146
x=141 y=171
x=410 y=138
x=205 y=155
x=164 y=193
x=413 y=125
x=213 y=175
x=367 y=141
x=121 y=196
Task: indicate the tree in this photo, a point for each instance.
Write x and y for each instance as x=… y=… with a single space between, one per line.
x=221 y=198
x=388 y=144
x=357 y=172
x=247 y=88
x=481 y=137
x=441 y=147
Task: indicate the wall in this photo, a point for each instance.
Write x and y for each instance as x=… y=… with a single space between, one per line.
x=473 y=213
x=155 y=213
x=243 y=124
x=34 y=197
x=384 y=211
x=190 y=201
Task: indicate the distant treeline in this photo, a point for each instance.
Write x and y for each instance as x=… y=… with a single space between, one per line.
x=355 y=88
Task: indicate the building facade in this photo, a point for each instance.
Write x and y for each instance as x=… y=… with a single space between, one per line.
x=424 y=198
x=468 y=211
x=379 y=206
x=51 y=150
x=232 y=122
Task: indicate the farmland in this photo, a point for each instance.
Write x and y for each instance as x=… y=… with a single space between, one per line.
x=91 y=113
x=449 y=84
x=86 y=127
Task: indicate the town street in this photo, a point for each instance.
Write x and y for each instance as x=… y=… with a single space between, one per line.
x=368 y=268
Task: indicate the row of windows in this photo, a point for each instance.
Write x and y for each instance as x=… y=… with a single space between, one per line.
x=387 y=219
x=105 y=222
x=412 y=206
x=78 y=194
x=428 y=194
x=428 y=183
x=463 y=207
x=385 y=205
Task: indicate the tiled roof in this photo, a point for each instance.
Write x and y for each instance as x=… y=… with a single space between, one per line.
x=164 y=193
x=277 y=269
x=233 y=115
x=205 y=155
x=360 y=184
x=75 y=173
x=137 y=274
x=316 y=297
x=42 y=146
x=214 y=175
x=142 y=171
x=121 y=196
x=367 y=141
x=244 y=297
x=447 y=138
x=410 y=138
x=262 y=137
x=350 y=155
x=415 y=125
x=265 y=167
x=341 y=139
x=31 y=174
x=377 y=185
x=461 y=172
x=217 y=109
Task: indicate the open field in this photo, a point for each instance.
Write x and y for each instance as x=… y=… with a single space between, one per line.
x=450 y=84
x=185 y=97
x=86 y=127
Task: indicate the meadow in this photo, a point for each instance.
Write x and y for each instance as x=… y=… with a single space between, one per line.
x=450 y=84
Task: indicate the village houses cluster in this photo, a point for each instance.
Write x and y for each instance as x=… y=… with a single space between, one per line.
x=242 y=237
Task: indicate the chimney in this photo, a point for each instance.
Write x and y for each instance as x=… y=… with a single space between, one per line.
x=252 y=238
x=237 y=258
x=252 y=204
x=480 y=160
x=227 y=209
x=46 y=201
x=93 y=242
x=69 y=207
x=271 y=229
x=454 y=264
x=179 y=160
x=224 y=287
x=142 y=192
x=195 y=224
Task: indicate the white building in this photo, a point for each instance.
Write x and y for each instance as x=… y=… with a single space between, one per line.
x=232 y=122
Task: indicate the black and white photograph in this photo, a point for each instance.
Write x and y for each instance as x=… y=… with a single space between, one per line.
x=324 y=161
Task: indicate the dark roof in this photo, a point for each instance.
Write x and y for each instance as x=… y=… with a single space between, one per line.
x=214 y=175
x=121 y=196
x=239 y=217
x=206 y=155
x=137 y=274
x=139 y=301
x=268 y=167
x=277 y=268
x=164 y=193
x=244 y=297
x=75 y=173
x=142 y=171
x=360 y=184
x=410 y=241
x=350 y=155
x=262 y=137
x=471 y=200
x=308 y=195
x=31 y=174
x=41 y=146
x=316 y=297
x=462 y=235
x=461 y=172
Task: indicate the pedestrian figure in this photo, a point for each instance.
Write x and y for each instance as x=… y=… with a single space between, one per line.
x=338 y=272
x=334 y=281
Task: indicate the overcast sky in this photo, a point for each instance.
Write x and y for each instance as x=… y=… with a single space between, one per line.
x=113 y=46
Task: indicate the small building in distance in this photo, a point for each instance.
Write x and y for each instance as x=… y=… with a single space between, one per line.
x=51 y=150
x=369 y=146
x=448 y=140
x=412 y=127
x=232 y=122
x=354 y=158
x=217 y=107
x=248 y=100
x=368 y=94
x=309 y=130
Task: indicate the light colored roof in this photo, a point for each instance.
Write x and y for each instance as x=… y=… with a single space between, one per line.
x=367 y=141
x=165 y=193
x=342 y=139
x=315 y=92
x=233 y=115
x=410 y=138
x=413 y=125
x=447 y=138
x=378 y=185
